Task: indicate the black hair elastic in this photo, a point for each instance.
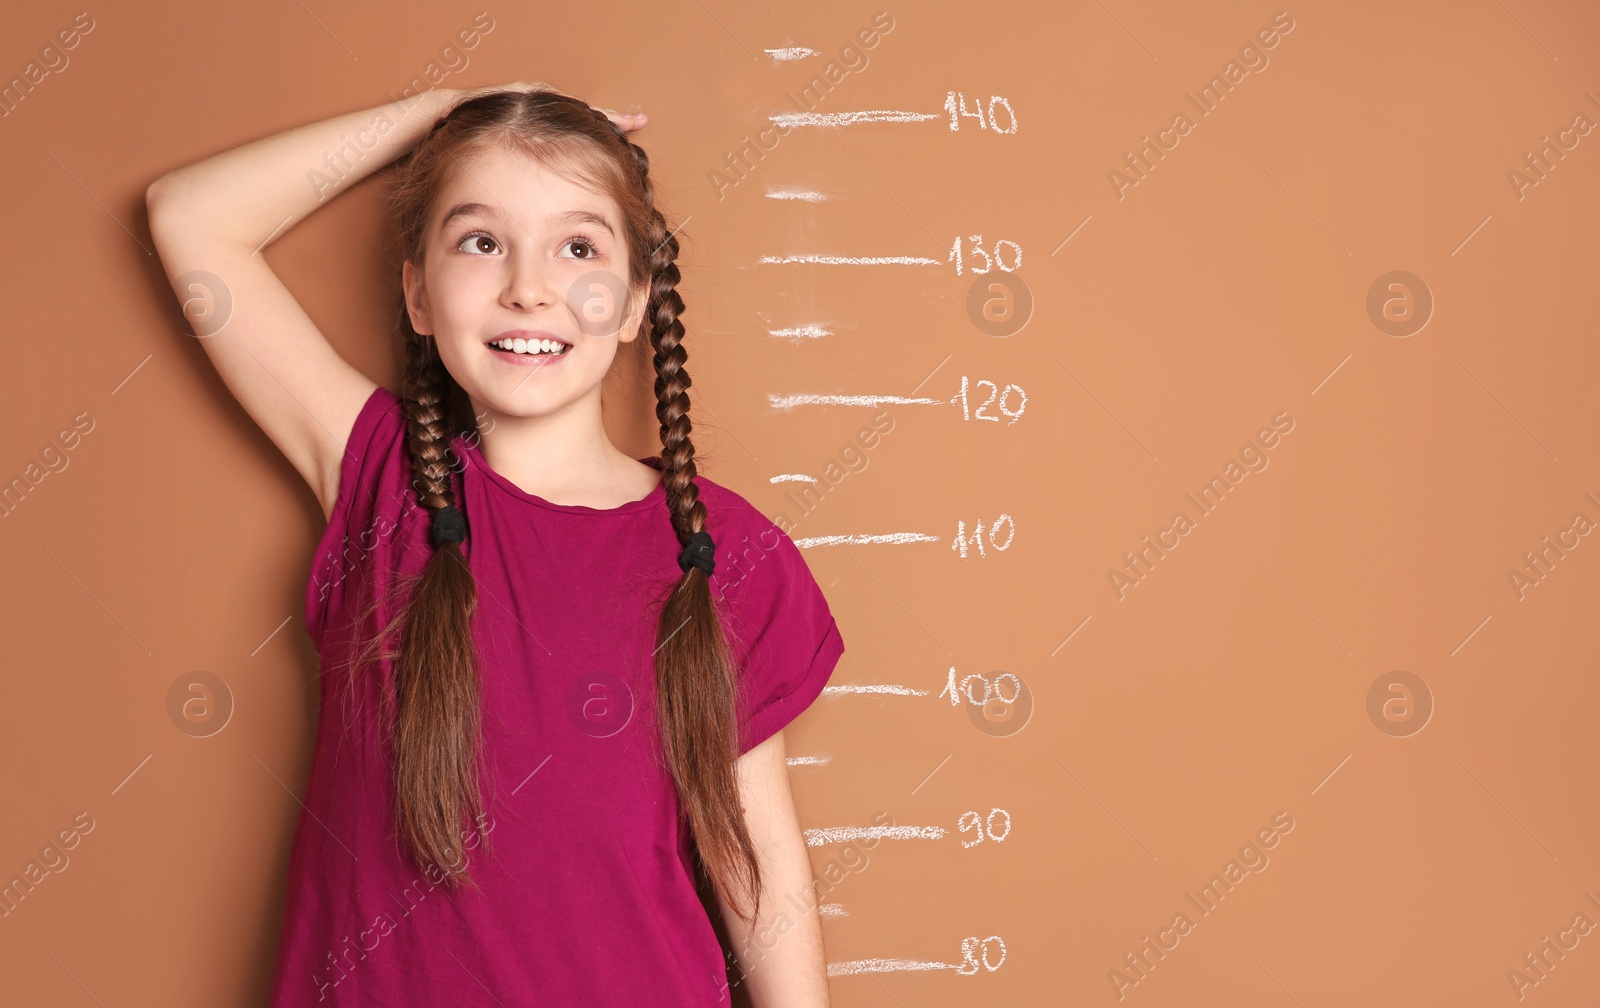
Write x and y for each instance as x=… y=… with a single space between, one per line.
x=449 y=525
x=699 y=552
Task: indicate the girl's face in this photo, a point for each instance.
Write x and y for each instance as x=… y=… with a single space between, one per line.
x=514 y=250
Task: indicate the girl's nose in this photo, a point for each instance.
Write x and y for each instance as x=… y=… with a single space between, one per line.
x=529 y=283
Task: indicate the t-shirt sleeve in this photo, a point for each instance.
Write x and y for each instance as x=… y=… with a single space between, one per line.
x=377 y=428
x=785 y=638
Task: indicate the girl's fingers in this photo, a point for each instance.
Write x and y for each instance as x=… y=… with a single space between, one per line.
x=627 y=121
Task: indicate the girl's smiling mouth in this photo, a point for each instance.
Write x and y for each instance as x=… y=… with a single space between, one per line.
x=521 y=346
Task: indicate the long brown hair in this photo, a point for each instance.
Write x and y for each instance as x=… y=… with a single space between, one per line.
x=435 y=724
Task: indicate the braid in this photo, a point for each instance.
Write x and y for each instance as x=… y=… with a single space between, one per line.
x=697 y=685
x=672 y=391
x=425 y=393
x=437 y=693
x=666 y=339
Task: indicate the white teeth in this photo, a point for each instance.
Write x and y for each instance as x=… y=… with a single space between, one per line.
x=523 y=346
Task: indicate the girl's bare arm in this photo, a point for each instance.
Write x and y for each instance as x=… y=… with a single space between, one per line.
x=210 y=221
x=784 y=966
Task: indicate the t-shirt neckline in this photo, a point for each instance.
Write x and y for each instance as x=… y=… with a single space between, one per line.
x=468 y=451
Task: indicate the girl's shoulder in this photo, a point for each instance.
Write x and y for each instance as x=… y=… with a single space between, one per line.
x=737 y=518
x=785 y=639
x=755 y=555
x=381 y=421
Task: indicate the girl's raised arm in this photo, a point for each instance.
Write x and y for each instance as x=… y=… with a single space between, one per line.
x=210 y=221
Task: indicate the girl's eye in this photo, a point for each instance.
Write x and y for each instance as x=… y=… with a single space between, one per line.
x=584 y=242
x=476 y=240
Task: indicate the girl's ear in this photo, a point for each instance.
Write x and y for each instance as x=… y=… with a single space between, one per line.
x=416 y=299
x=636 y=312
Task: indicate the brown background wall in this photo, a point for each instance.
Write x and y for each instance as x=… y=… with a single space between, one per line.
x=1242 y=677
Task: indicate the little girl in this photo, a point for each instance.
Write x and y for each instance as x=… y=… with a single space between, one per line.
x=554 y=677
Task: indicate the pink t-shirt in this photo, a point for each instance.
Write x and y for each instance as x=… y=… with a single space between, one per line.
x=589 y=895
